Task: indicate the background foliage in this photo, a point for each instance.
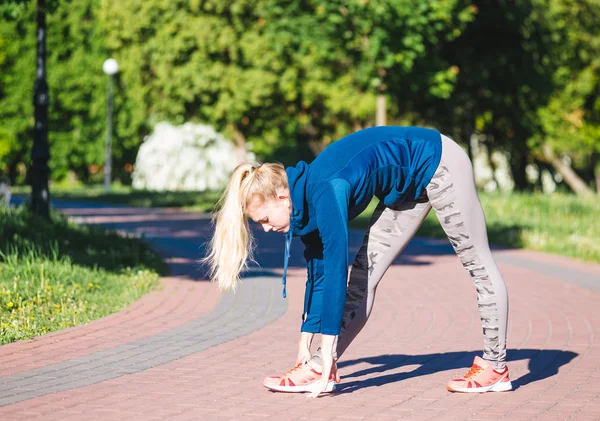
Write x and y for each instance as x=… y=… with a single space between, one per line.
x=287 y=77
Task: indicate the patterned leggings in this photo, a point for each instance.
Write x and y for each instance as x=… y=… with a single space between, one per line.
x=453 y=197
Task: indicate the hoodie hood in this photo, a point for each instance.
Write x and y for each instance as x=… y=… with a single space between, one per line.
x=297 y=177
x=297 y=185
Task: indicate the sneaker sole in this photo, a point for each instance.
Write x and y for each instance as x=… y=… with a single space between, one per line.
x=298 y=389
x=500 y=386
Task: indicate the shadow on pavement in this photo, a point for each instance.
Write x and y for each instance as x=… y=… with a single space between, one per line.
x=543 y=363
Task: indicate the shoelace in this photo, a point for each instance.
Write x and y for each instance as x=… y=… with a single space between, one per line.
x=300 y=365
x=473 y=371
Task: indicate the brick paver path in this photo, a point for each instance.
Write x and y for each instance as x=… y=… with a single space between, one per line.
x=184 y=353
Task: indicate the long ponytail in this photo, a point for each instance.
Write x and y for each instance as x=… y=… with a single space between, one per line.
x=232 y=244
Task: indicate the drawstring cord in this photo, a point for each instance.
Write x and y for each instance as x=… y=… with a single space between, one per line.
x=286 y=258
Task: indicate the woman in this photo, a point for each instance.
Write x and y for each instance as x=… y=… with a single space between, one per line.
x=410 y=170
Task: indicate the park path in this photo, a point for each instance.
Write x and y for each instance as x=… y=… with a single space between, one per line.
x=183 y=352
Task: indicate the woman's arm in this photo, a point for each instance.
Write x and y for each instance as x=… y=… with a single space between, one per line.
x=332 y=220
x=327 y=342
x=331 y=208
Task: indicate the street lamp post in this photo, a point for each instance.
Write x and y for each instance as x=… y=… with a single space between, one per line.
x=110 y=67
x=40 y=153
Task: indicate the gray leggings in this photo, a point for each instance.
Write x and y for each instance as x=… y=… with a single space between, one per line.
x=453 y=197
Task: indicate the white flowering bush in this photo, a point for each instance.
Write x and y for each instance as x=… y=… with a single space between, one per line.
x=498 y=177
x=188 y=157
x=488 y=177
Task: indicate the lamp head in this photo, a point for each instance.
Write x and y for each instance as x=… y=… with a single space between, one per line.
x=110 y=66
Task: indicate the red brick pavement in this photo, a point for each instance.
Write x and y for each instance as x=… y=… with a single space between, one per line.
x=175 y=302
x=424 y=329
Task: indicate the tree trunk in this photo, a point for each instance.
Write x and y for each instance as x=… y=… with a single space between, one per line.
x=380 y=118
x=467 y=140
x=493 y=165
x=314 y=139
x=571 y=178
x=12 y=172
x=239 y=140
x=596 y=169
x=40 y=153
x=518 y=164
x=467 y=132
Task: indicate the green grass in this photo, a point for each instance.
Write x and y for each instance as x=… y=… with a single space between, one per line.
x=57 y=275
x=561 y=224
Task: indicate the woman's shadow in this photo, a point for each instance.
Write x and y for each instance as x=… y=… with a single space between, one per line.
x=542 y=364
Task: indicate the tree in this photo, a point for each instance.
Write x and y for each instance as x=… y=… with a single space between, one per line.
x=198 y=61
x=570 y=120
x=528 y=75
x=40 y=153
x=77 y=85
x=16 y=107
x=287 y=77
x=284 y=76
x=503 y=76
x=78 y=88
x=352 y=55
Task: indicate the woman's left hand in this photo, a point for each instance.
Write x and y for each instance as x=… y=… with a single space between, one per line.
x=320 y=387
x=327 y=342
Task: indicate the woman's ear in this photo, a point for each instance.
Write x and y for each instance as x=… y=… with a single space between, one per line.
x=285 y=200
x=283 y=194
x=284 y=197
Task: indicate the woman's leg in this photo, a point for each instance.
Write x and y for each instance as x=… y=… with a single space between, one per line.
x=454 y=198
x=390 y=230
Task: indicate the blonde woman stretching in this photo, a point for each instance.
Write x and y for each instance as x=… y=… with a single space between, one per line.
x=410 y=170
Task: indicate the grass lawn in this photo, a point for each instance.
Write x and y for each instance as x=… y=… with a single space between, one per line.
x=58 y=275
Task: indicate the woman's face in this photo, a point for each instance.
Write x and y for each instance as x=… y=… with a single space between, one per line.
x=273 y=215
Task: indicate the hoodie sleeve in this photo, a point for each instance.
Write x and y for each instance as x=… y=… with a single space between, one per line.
x=328 y=294
x=313 y=253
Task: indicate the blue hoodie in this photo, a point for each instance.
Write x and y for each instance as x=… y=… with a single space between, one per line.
x=394 y=164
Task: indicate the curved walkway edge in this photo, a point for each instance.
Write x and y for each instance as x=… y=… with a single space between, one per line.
x=253 y=306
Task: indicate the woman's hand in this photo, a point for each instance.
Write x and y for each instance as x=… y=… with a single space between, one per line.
x=304 y=348
x=327 y=342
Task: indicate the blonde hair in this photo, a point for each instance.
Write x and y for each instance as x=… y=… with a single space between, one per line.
x=232 y=244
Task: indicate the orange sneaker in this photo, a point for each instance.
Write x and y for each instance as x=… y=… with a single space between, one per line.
x=481 y=378
x=301 y=378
